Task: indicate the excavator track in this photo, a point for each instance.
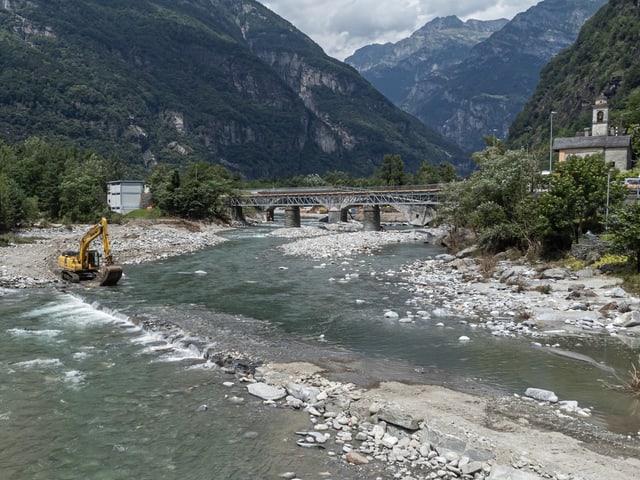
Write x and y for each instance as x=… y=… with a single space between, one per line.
x=110 y=275
x=68 y=276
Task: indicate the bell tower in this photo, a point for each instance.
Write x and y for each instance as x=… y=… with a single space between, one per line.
x=600 y=121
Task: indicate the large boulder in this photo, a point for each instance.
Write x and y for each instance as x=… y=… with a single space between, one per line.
x=628 y=319
x=266 y=392
x=302 y=392
x=541 y=395
x=396 y=416
x=554 y=274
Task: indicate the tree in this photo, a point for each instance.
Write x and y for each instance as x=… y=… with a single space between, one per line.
x=163 y=183
x=196 y=195
x=427 y=174
x=489 y=201
x=337 y=178
x=391 y=172
x=625 y=227
x=12 y=202
x=83 y=188
x=577 y=195
x=447 y=173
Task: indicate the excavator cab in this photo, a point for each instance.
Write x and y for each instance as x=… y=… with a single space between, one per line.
x=93 y=258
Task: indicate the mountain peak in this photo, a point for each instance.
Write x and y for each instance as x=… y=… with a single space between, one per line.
x=468 y=90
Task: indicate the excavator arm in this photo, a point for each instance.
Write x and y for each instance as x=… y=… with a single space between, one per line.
x=76 y=267
x=93 y=233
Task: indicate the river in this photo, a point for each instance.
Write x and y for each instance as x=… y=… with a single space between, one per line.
x=86 y=393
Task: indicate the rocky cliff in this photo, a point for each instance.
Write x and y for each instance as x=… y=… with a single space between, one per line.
x=481 y=94
x=434 y=48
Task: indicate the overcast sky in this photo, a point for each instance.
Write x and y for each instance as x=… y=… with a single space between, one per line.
x=342 y=26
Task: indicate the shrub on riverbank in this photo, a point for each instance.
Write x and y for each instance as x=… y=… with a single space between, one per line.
x=7 y=239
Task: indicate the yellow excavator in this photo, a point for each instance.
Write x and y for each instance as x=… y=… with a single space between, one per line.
x=85 y=263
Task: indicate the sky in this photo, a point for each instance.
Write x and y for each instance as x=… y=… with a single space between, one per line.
x=340 y=27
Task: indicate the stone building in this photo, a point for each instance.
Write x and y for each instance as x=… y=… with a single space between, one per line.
x=601 y=138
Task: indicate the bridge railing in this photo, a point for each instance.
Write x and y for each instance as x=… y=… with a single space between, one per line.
x=329 y=189
x=307 y=196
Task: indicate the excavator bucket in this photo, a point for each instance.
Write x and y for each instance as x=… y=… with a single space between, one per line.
x=110 y=275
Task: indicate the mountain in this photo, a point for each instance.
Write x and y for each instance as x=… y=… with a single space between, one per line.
x=482 y=94
x=604 y=60
x=226 y=81
x=440 y=44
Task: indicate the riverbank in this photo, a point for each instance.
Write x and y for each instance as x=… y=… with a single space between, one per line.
x=410 y=429
x=34 y=264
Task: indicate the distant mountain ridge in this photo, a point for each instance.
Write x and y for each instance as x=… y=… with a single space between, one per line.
x=443 y=42
x=225 y=81
x=482 y=94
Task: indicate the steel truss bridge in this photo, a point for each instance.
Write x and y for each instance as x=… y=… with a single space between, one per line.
x=339 y=197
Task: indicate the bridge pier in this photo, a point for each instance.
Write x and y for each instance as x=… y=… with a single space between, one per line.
x=337 y=214
x=269 y=214
x=371 y=218
x=292 y=216
x=235 y=212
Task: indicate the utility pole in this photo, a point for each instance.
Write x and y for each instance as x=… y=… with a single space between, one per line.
x=553 y=112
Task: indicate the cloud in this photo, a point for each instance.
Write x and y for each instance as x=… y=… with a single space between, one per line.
x=342 y=26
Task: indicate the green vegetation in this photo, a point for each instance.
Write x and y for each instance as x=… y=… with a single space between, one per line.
x=605 y=59
x=7 y=239
x=198 y=194
x=508 y=204
x=175 y=83
x=39 y=180
x=46 y=181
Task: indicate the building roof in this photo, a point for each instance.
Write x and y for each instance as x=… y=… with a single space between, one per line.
x=602 y=141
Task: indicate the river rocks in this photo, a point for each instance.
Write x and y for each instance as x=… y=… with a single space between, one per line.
x=395 y=415
x=304 y=393
x=502 y=472
x=356 y=458
x=541 y=395
x=554 y=274
x=33 y=265
x=316 y=244
x=515 y=299
x=12 y=281
x=363 y=430
x=266 y=392
x=628 y=319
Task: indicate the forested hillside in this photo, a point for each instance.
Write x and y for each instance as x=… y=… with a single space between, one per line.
x=605 y=59
x=224 y=81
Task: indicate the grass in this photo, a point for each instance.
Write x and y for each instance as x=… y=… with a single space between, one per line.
x=143 y=213
x=7 y=239
x=487 y=264
x=632 y=383
x=621 y=266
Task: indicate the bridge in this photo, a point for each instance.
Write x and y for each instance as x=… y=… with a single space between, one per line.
x=337 y=201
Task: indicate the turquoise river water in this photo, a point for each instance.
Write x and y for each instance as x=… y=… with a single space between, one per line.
x=87 y=394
